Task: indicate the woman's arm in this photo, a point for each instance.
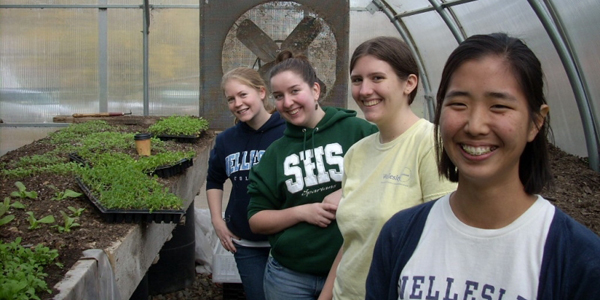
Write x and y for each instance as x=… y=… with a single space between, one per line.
x=214 y=198
x=273 y=221
x=334 y=198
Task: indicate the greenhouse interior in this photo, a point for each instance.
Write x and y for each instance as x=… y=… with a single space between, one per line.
x=167 y=57
x=155 y=58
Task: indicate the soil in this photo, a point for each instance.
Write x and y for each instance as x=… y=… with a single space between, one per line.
x=576 y=191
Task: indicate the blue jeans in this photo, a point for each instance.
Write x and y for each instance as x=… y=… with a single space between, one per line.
x=251 y=263
x=282 y=283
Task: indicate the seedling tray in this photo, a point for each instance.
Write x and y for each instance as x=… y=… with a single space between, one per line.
x=180 y=138
x=162 y=172
x=131 y=215
x=74 y=157
x=177 y=168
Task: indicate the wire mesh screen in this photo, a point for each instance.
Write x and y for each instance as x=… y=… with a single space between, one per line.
x=277 y=20
x=252 y=33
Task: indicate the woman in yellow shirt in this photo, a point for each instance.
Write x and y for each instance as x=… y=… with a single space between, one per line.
x=384 y=172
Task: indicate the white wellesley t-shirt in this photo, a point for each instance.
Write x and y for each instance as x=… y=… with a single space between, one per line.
x=457 y=261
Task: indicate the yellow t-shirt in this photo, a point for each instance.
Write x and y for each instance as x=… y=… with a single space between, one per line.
x=380 y=180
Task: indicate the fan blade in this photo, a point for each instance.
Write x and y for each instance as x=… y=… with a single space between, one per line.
x=257 y=41
x=305 y=33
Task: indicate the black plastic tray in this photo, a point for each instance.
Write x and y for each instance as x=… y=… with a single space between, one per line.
x=162 y=172
x=180 y=138
x=172 y=170
x=78 y=159
x=131 y=215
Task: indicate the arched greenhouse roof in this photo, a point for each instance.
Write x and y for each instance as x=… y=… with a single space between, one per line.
x=68 y=56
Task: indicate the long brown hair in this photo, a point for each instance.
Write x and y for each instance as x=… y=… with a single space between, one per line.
x=393 y=51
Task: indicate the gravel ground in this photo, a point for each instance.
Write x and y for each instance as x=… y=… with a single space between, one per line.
x=202 y=289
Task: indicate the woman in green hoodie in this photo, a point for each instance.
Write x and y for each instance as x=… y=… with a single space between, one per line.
x=295 y=175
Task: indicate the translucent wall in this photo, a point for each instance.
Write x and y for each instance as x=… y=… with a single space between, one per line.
x=78 y=58
x=48 y=63
x=581 y=24
x=509 y=18
x=125 y=89
x=174 y=62
x=81 y=58
x=434 y=41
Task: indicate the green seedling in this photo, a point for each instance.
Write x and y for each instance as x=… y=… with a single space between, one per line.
x=69 y=223
x=22 y=192
x=76 y=211
x=62 y=195
x=3 y=209
x=179 y=125
x=23 y=274
x=15 y=204
x=35 y=223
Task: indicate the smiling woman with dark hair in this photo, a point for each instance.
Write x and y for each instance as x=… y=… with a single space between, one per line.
x=495 y=237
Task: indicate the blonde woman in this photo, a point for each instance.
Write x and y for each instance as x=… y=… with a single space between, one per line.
x=236 y=150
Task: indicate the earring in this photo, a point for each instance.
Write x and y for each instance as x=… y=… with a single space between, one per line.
x=316 y=105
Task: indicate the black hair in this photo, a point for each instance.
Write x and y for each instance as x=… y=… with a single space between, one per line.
x=534 y=165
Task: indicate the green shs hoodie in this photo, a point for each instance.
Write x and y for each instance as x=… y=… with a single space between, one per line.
x=303 y=167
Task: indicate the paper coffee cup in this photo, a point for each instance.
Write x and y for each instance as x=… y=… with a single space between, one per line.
x=142 y=143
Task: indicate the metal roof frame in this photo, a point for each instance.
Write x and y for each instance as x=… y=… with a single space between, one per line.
x=560 y=39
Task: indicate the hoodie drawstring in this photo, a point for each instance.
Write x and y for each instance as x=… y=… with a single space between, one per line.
x=312 y=139
x=304 y=142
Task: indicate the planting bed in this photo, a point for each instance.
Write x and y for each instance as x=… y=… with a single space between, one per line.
x=94 y=232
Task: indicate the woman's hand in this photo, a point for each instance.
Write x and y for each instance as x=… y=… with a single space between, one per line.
x=319 y=214
x=225 y=236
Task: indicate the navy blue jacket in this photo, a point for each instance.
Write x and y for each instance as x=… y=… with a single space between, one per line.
x=570 y=265
x=236 y=150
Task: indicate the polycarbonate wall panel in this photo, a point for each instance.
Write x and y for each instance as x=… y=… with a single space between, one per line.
x=46 y=2
x=153 y=2
x=174 y=62
x=125 y=2
x=125 y=61
x=580 y=20
x=403 y=6
x=48 y=63
x=434 y=43
x=359 y=4
x=363 y=26
x=174 y=2
x=518 y=19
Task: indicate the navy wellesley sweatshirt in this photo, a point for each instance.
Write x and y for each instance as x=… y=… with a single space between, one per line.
x=236 y=150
